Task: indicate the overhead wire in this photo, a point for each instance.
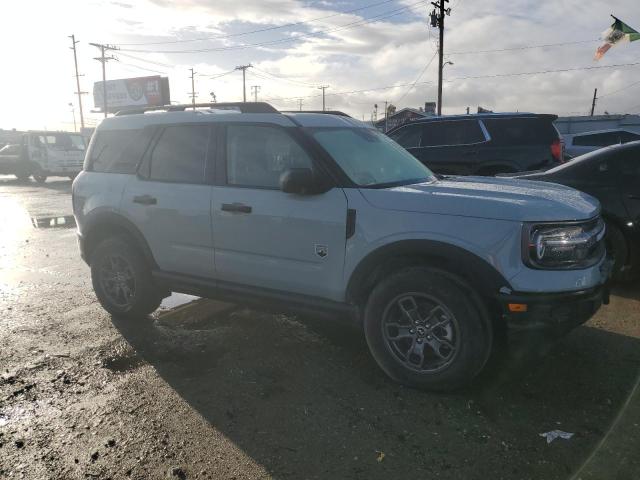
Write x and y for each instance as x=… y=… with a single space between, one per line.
x=365 y=21
x=260 y=30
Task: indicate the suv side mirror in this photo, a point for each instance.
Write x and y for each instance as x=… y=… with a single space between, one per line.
x=301 y=181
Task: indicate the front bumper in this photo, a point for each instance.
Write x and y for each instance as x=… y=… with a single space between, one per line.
x=551 y=313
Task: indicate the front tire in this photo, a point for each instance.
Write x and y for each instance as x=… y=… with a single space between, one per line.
x=40 y=177
x=122 y=279
x=427 y=329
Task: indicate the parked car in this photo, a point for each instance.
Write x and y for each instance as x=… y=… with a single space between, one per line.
x=577 y=144
x=612 y=175
x=42 y=154
x=322 y=213
x=483 y=144
x=10 y=156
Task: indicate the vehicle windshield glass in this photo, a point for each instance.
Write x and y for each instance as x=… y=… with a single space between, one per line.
x=370 y=158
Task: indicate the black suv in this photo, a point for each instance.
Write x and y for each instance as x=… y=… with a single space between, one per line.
x=483 y=144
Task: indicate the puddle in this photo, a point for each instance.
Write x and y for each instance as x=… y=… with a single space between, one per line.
x=64 y=221
x=177 y=299
x=122 y=363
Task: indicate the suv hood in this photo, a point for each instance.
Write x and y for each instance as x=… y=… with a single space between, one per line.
x=488 y=197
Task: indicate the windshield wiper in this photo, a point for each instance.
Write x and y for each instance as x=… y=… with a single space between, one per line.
x=400 y=183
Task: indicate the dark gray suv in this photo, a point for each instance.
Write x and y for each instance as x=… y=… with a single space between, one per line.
x=483 y=144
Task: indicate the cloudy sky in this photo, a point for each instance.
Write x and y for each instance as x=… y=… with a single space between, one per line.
x=366 y=51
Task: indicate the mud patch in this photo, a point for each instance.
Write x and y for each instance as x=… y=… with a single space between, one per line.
x=201 y=314
x=122 y=363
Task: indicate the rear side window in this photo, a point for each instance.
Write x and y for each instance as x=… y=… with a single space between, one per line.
x=459 y=132
x=180 y=154
x=107 y=153
x=408 y=136
x=597 y=139
x=521 y=131
x=628 y=137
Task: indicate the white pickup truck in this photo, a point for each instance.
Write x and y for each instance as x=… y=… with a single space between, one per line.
x=43 y=154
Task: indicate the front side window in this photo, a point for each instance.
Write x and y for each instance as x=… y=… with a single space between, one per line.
x=408 y=136
x=459 y=132
x=257 y=155
x=180 y=155
x=370 y=158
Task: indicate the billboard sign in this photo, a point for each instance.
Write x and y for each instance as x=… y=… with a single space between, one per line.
x=132 y=92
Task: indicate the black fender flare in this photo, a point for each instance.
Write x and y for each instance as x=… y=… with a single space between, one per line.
x=103 y=223
x=474 y=270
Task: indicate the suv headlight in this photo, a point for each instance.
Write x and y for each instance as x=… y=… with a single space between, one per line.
x=566 y=245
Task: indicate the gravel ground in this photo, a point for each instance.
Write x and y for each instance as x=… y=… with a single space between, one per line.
x=212 y=390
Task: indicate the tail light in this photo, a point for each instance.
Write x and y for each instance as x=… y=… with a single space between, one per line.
x=556 y=151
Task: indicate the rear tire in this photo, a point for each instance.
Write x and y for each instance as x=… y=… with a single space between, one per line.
x=428 y=329
x=122 y=279
x=40 y=177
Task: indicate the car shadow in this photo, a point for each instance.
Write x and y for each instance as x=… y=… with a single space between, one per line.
x=630 y=290
x=304 y=399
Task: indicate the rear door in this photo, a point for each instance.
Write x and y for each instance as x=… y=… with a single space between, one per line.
x=170 y=199
x=266 y=238
x=629 y=181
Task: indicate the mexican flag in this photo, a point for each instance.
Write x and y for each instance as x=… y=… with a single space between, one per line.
x=619 y=32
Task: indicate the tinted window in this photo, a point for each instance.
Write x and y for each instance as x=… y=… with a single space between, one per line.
x=463 y=132
x=628 y=137
x=257 y=155
x=107 y=148
x=408 y=136
x=180 y=155
x=521 y=131
x=597 y=139
x=370 y=158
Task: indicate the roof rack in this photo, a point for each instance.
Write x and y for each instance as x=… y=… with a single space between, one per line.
x=243 y=107
x=327 y=112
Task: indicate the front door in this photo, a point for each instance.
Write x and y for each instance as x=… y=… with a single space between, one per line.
x=264 y=237
x=170 y=200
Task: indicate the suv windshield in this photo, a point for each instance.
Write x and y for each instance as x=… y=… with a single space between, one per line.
x=370 y=158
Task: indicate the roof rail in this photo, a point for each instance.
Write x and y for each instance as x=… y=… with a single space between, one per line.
x=243 y=107
x=327 y=112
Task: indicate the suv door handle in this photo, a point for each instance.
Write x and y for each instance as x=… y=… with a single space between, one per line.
x=236 y=207
x=145 y=200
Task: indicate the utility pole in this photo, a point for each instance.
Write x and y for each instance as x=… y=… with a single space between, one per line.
x=193 y=88
x=78 y=91
x=213 y=96
x=386 y=109
x=437 y=20
x=244 y=80
x=104 y=59
x=255 y=89
x=73 y=110
x=593 y=103
x=323 y=88
x=300 y=104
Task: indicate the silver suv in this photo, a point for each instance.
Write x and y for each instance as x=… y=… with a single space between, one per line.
x=321 y=213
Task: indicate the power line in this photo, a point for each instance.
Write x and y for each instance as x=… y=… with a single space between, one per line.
x=388 y=14
x=266 y=29
x=619 y=90
x=498 y=75
x=524 y=47
x=417 y=78
x=160 y=64
x=279 y=77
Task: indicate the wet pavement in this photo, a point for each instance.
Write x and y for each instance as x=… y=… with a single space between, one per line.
x=205 y=389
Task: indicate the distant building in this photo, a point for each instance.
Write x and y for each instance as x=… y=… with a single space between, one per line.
x=597 y=122
x=400 y=117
